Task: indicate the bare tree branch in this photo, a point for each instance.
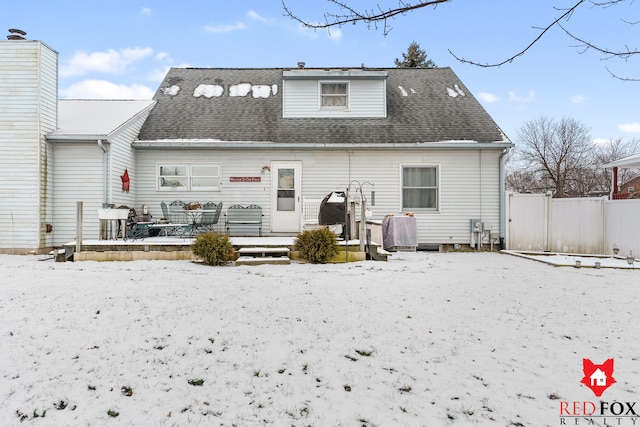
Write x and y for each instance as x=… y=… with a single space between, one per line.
x=626 y=53
x=566 y=14
x=351 y=16
x=373 y=17
x=616 y=76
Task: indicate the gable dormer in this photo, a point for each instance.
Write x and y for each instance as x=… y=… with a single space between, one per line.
x=347 y=93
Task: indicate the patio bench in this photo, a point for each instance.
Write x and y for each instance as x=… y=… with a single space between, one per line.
x=244 y=217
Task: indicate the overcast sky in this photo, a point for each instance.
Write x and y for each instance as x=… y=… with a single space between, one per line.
x=123 y=49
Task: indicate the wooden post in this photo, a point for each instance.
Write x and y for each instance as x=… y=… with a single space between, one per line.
x=78 y=226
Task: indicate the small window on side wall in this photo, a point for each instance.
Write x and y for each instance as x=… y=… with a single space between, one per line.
x=334 y=95
x=419 y=188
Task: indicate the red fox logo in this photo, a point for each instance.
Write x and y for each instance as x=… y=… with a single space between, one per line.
x=598 y=377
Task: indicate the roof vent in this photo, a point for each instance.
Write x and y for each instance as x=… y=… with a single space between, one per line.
x=16 y=34
x=300 y=65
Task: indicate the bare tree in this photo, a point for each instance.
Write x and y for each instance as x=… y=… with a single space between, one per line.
x=380 y=17
x=610 y=151
x=557 y=151
x=586 y=178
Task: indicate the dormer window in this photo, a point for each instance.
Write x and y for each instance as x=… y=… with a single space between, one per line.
x=334 y=95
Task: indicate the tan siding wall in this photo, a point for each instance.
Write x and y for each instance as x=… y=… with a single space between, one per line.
x=366 y=99
x=463 y=195
x=28 y=110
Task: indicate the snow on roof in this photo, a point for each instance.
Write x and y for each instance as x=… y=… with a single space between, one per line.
x=95 y=117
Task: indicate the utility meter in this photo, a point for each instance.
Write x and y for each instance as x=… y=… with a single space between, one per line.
x=476 y=225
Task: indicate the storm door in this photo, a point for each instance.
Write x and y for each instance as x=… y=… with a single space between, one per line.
x=285 y=196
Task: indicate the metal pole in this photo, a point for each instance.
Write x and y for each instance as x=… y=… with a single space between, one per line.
x=79 y=227
x=363 y=224
x=346 y=226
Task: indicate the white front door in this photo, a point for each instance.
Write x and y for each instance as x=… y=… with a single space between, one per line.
x=286 y=204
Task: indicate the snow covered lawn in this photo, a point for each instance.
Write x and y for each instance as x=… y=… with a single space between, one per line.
x=426 y=339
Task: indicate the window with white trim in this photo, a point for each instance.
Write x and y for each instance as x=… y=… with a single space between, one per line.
x=334 y=95
x=188 y=176
x=419 y=187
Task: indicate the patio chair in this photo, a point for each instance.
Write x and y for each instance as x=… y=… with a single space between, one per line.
x=177 y=222
x=175 y=212
x=210 y=217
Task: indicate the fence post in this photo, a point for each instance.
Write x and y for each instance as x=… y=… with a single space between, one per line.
x=547 y=220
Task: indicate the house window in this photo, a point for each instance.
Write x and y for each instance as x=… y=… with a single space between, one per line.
x=189 y=177
x=630 y=189
x=334 y=95
x=419 y=187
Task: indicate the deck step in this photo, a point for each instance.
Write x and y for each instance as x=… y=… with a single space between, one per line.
x=263 y=251
x=249 y=260
x=263 y=255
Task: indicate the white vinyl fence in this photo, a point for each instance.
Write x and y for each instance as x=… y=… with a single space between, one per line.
x=537 y=222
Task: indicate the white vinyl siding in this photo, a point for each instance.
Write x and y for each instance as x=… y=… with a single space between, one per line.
x=85 y=173
x=28 y=84
x=79 y=177
x=468 y=183
x=366 y=98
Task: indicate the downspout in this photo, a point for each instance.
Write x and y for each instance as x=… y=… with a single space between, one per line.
x=502 y=199
x=481 y=233
x=105 y=168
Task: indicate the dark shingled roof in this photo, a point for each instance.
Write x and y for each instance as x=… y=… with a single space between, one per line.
x=428 y=115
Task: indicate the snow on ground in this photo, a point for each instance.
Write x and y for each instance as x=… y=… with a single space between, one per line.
x=425 y=339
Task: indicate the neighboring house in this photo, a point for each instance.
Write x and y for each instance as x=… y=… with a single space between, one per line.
x=275 y=137
x=630 y=189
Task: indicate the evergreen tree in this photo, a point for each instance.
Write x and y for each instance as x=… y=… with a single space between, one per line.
x=415 y=58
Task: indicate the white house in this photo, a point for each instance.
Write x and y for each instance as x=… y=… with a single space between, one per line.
x=237 y=136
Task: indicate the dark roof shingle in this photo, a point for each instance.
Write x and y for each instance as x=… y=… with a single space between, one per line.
x=425 y=112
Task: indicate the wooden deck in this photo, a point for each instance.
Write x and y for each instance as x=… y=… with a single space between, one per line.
x=163 y=248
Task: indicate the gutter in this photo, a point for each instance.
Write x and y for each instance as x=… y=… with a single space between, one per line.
x=105 y=169
x=502 y=205
x=187 y=144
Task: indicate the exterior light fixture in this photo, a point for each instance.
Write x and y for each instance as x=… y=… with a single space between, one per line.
x=616 y=249
x=630 y=258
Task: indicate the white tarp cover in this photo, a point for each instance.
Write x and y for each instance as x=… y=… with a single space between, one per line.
x=399 y=231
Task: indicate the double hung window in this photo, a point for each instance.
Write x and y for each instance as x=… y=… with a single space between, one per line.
x=419 y=187
x=334 y=95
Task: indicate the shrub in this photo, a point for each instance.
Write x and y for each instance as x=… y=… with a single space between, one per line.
x=213 y=248
x=317 y=246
